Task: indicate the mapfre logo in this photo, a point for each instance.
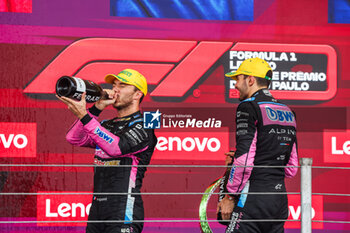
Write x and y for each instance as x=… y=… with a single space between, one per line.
x=294 y=211
x=66 y=208
x=17 y=139
x=336 y=146
x=191 y=145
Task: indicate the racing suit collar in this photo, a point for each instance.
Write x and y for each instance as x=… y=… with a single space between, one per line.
x=128 y=117
x=261 y=91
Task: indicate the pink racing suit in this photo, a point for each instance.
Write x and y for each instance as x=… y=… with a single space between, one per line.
x=119 y=141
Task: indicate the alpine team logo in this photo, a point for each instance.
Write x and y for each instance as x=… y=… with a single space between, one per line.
x=151 y=120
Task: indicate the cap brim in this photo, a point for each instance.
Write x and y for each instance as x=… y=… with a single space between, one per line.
x=232 y=75
x=110 y=78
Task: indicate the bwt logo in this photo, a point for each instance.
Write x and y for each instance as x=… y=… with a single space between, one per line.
x=191 y=145
x=336 y=146
x=103 y=135
x=344 y=149
x=279 y=115
x=17 y=139
x=173 y=67
x=151 y=120
x=68 y=207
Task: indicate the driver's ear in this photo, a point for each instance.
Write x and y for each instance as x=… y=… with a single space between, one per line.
x=138 y=95
x=251 y=80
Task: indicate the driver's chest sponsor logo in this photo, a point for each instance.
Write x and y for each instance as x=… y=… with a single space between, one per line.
x=103 y=135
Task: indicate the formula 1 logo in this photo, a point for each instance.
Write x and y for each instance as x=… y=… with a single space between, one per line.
x=174 y=67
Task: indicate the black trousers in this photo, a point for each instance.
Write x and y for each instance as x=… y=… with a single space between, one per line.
x=260 y=206
x=111 y=209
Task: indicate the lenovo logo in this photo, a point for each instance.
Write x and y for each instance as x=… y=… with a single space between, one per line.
x=336 y=146
x=344 y=149
x=188 y=144
x=67 y=209
x=294 y=211
x=191 y=145
x=63 y=208
x=17 y=139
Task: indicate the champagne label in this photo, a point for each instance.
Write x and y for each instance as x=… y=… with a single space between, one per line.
x=81 y=87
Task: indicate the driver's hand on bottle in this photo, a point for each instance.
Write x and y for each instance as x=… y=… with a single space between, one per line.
x=78 y=108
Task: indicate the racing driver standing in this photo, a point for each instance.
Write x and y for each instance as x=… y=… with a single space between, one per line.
x=120 y=141
x=265 y=136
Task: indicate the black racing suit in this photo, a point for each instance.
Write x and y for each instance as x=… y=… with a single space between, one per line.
x=119 y=141
x=265 y=136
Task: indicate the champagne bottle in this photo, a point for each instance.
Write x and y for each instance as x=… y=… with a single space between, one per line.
x=73 y=88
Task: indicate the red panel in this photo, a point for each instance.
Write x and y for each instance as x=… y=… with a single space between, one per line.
x=17 y=139
x=63 y=208
x=98 y=70
x=78 y=54
x=316 y=49
x=23 y=6
x=336 y=146
x=191 y=69
x=295 y=211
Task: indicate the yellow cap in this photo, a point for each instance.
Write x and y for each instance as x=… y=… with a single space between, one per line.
x=131 y=77
x=256 y=67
